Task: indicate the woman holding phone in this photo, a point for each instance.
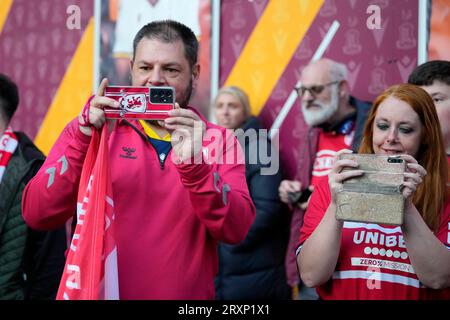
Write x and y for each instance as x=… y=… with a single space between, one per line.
x=347 y=260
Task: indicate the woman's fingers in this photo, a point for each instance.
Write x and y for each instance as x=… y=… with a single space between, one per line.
x=415 y=167
x=414 y=177
x=342 y=151
x=408 y=188
x=407 y=158
x=340 y=177
x=339 y=165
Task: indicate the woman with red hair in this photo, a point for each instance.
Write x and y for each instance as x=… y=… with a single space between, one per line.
x=348 y=260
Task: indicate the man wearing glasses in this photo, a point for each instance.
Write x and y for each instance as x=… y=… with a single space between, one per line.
x=336 y=121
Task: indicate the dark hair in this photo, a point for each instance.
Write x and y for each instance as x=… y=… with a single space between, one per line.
x=9 y=96
x=428 y=72
x=170 y=31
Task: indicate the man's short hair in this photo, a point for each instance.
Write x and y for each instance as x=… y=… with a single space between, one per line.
x=9 y=97
x=338 y=71
x=170 y=31
x=428 y=72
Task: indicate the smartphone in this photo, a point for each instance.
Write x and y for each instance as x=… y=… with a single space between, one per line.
x=299 y=197
x=374 y=197
x=378 y=169
x=151 y=103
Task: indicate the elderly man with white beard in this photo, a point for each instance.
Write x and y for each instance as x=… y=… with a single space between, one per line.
x=335 y=120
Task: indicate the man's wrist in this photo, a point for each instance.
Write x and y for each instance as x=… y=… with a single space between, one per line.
x=86 y=130
x=84 y=134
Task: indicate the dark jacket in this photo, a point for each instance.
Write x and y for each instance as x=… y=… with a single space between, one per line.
x=31 y=262
x=254 y=269
x=308 y=149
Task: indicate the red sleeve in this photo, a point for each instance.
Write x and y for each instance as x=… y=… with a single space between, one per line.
x=443 y=233
x=50 y=198
x=219 y=191
x=318 y=205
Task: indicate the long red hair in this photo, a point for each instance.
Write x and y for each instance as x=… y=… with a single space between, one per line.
x=430 y=195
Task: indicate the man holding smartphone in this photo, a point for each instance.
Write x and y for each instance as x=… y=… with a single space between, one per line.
x=335 y=120
x=169 y=214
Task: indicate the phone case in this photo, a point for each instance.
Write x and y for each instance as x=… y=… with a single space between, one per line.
x=151 y=103
x=376 y=196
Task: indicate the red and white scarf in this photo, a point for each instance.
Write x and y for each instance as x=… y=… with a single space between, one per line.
x=91 y=271
x=8 y=144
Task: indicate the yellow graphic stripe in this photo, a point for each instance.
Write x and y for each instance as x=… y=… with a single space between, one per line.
x=5 y=6
x=271 y=46
x=73 y=92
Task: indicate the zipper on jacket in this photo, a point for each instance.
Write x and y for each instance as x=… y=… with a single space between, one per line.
x=161 y=162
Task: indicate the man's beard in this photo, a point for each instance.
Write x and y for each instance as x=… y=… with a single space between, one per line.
x=186 y=96
x=326 y=112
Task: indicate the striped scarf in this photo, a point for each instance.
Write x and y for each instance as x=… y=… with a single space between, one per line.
x=8 y=144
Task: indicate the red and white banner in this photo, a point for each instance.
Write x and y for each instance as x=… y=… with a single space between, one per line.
x=91 y=270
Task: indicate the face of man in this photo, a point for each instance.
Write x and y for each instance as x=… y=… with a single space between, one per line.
x=158 y=63
x=440 y=92
x=321 y=102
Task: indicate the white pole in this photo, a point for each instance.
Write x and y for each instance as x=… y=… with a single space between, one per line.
x=215 y=52
x=97 y=18
x=293 y=96
x=422 y=55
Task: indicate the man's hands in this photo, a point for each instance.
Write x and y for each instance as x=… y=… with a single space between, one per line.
x=184 y=125
x=187 y=131
x=94 y=116
x=288 y=188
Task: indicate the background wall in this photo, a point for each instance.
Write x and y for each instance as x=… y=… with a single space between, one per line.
x=51 y=62
x=114 y=63
x=265 y=44
x=439 y=48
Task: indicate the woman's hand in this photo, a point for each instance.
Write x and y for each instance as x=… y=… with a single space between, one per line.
x=414 y=175
x=336 y=176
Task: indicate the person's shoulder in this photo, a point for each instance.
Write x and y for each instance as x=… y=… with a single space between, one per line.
x=30 y=155
x=360 y=105
x=28 y=149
